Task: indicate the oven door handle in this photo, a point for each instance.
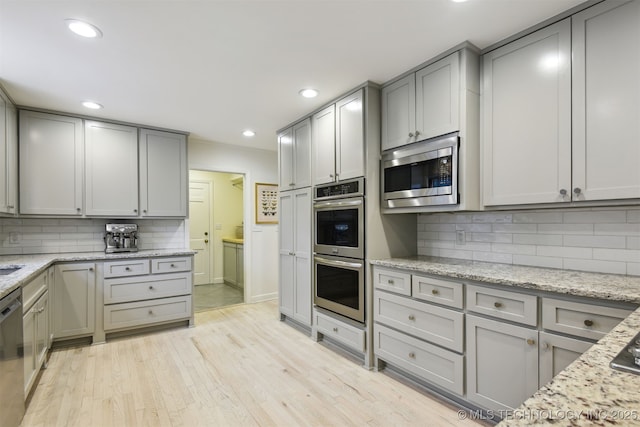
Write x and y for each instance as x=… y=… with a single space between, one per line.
x=335 y=263
x=334 y=204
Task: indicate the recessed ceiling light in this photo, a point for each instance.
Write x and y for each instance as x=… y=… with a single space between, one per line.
x=92 y=105
x=458 y=1
x=83 y=29
x=309 y=93
x=249 y=133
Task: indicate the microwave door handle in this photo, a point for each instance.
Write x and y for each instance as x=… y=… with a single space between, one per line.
x=338 y=263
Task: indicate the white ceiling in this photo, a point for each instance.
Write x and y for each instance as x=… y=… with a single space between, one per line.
x=215 y=68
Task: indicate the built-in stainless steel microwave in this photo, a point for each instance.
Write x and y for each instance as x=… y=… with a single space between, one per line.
x=421 y=174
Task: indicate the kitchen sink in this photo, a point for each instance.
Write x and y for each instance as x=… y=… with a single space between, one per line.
x=6 y=270
x=628 y=360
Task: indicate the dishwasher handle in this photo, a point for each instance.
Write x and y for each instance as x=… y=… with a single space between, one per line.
x=8 y=311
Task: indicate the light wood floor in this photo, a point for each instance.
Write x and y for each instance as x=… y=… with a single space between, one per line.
x=240 y=366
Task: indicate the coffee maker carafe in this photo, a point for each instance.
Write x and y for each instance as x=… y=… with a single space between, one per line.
x=121 y=238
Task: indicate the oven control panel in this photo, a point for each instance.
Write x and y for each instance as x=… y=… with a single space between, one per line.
x=343 y=189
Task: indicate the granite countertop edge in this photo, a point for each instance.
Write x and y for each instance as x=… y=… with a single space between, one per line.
x=586 y=393
x=32 y=265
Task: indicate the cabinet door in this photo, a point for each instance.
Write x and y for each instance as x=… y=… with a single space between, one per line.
x=111 y=169
x=285 y=159
x=350 y=136
x=74 y=300
x=3 y=156
x=438 y=98
x=557 y=352
x=399 y=113
x=229 y=265
x=502 y=363
x=302 y=154
x=287 y=258
x=163 y=174
x=240 y=265
x=29 y=336
x=606 y=101
x=302 y=250
x=324 y=142
x=11 y=204
x=527 y=119
x=42 y=330
x=51 y=158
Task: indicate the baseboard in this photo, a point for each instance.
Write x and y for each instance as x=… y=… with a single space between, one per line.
x=263 y=297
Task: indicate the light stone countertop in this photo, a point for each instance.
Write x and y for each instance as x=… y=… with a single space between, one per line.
x=233 y=240
x=33 y=265
x=588 y=392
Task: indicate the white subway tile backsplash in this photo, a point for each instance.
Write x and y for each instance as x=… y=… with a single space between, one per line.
x=49 y=235
x=595 y=266
x=595 y=241
x=538 y=239
x=538 y=261
x=590 y=239
x=565 y=228
x=514 y=228
x=537 y=217
x=594 y=217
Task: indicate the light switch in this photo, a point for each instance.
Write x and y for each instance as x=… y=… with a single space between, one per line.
x=218 y=226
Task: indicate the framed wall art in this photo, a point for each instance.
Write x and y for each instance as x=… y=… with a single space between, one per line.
x=266 y=203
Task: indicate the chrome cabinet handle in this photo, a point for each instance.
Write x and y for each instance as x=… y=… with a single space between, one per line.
x=135 y=211
x=90 y=268
x=79 y=209
x=577 y=191
x=10 y=206
x=173 y=266
x=410 y=134
x=588 y=323
x=127 y=268
x=335 y=329
x=151 y=287
x=563 y=192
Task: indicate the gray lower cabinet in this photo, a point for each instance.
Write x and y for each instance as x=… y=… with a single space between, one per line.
x=146 y=292
x=74 y=301
x=233 y=263
x=415 y=335
x=502 y=363
x=35 y=324
x=556 y=352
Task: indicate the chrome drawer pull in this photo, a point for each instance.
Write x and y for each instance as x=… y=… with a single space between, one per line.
x=335 y=329
x=127 y=269
x=173 y=265
x=151 y=287
x=497 y=304
x=390 y=281
x=588 y=323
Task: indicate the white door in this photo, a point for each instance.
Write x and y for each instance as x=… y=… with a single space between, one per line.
x=199 y=230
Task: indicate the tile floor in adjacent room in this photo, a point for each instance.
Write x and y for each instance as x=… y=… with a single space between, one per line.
x=215 y=295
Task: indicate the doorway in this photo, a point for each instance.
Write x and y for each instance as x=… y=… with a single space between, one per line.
x=216 y=234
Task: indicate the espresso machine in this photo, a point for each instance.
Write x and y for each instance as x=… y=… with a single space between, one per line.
x=121 y=238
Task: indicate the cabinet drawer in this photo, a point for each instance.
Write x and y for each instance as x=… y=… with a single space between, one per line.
x=32 y=291
x=344 y=333
x=438 y=325
x=434 y=364
x=170 y=265
x=392 y=280
x=146 y=287
x=435 y=290
x=128 y=315
x=580 y=319
x=126 y=267
x=513 y=306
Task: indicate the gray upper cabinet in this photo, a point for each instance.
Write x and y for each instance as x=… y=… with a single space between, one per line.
x=8 y=156
x=111 y=169
x=51 y=164
x=423 y=104
x=338 y=140
x=294 y=156
x=606 y=101
x=163 y=174
x=527 y=119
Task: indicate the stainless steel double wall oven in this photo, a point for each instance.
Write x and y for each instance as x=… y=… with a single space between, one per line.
x=338 y=261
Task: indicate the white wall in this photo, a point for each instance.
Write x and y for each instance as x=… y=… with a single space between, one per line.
x=604 y=240
x=261 y=240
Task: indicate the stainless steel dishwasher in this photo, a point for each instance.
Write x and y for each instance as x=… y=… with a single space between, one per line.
x=11 y=360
